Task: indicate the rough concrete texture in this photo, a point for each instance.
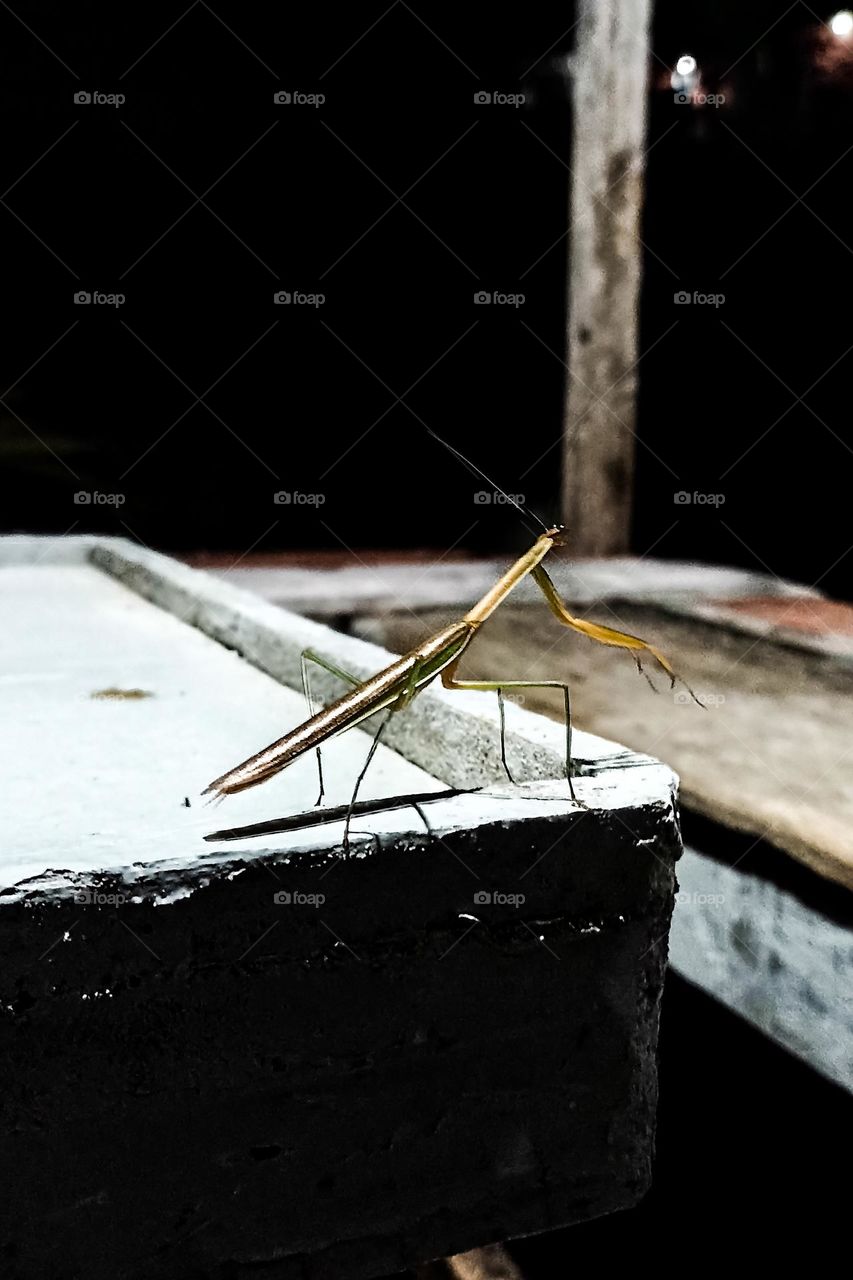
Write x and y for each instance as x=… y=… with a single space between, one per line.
x=211 y=1073
x=227 y=1083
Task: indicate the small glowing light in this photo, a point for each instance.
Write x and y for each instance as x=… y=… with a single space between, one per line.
x=686 y=64
x=841 y=24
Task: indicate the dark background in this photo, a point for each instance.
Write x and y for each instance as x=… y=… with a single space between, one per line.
x=97 y=197
x=749 y=1145
x=303 y=398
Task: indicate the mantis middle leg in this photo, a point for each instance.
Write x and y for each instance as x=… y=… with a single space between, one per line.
x=407 y=694
x=308 y=655
x=448 y=679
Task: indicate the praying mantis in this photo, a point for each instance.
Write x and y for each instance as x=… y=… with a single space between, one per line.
x=395 y=687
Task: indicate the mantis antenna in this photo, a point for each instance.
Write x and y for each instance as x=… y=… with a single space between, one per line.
x=472 y=467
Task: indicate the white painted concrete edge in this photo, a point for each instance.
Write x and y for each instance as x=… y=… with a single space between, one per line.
x=453 y=735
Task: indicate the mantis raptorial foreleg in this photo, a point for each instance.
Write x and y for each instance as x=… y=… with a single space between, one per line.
x=601 y=634
x=308 y=655
x=448 y=679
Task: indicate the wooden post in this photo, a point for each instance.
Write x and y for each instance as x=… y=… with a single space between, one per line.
x=609 y=125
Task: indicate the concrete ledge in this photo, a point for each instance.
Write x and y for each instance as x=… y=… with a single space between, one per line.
x=452 y=735
x=222 y=1060
x=397 y=1073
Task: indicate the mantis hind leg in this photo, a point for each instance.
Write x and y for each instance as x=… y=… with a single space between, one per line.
x=497 y=686
x=406 y=695
x=308 y=655
x=371 y=753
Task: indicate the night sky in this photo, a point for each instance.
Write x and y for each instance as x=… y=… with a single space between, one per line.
x=381 y=198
